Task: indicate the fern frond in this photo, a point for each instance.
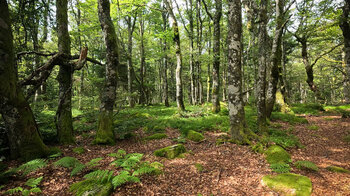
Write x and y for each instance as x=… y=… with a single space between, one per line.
x=123 y=178
x=280 y=167
x=14 y=190
x=35 y=190
x=144 y=170
x=100 y=175
x=67 y=162
x=34 y=182
x=77 y=169
x=31 y=166
x=94 y=162
x=307 y=165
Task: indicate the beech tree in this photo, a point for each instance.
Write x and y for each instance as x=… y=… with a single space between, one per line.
x=345 y=27
x=22 y=130
x=105 y=129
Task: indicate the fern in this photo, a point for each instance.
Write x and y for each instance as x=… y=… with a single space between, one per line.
x=14 y=190
x=129 y=162
x=33 y=182
x=307 y=165
x=100 y=175
x=280 y=167
x=120 y=154
x=77 y=169
x=67 y=162
x=123 y=178
x=146 y=169
x=31 y=166
x=94 y=162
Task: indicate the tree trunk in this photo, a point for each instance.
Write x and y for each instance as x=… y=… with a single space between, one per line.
x=131 y=27
x=142 y=99
x=64 y=122
x=178 y=74
x=216 y=60
x=345 y=27
x=238 y=126
x=199 y=52
x=105 y=133
x=208 y=66
x=165 y=62
x=22 y=130
x=263 y=53
x=276 y=57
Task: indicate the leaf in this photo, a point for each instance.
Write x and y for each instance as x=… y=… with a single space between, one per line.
x=77 y=169
x=31 y=166
x=33 y=182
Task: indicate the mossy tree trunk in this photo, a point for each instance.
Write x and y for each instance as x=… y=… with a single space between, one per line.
x=263 y=53
x=345 y=27
x=22 y=130
x=276 y=58
x=178 y=73
x=239 y=130
x=216 y=60
x=64 y=121
x=131 y=26
x=105 y=134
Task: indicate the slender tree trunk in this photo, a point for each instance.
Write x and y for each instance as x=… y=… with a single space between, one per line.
x=276 y=58
x=179 y=91
x=131 y=27
x=345 y=27
x=105 y=133
x=142 y=99
x=208 y=66
x=216 y=61
x=238 y=126
x=199 y=52
x=22 y=130
x=81 y=87
x=192 y=71
x=165 y=62
x=64 y=121
x=263 y=53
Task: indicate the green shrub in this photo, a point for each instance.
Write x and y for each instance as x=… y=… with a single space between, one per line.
x=280 y=167
x=32 y=183
x=70 y=162
x=290 y=118
x=310 y=108
x=306 y=165
x=31 y=166
x=283 y=138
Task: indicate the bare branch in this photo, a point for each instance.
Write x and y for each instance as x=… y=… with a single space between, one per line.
x=36 y=53
x=206 y=10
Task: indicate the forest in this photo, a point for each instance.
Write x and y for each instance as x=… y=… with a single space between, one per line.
x=175 y=97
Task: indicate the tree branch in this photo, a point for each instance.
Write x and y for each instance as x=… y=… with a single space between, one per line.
x=206 y=10
x=325 y=53
x=36 y=53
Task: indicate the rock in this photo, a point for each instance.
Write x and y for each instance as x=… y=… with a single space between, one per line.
x=91 y=187
x=276 y=154
x=337 y=169
x=170 y=152
x=289 y=184
x=195 y=136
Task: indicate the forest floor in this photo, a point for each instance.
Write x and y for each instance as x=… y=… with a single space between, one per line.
x=228 y=169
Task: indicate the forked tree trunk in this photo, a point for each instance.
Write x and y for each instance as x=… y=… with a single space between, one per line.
x=238 y=126
x=105 y=133
x=22 y=130
x=263 y=51
x=178 y=74
x=64 y=121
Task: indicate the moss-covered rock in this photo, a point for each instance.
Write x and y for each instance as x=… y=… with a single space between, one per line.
x=276 y=154
x=156 y=136
x=171 y=152
x=79 y=150
x=91 y=187
x=337 y=169
x=195 y=136
x=289 y=184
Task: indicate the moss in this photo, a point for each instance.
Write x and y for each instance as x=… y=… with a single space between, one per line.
x=313 y=127
x=91 y=187
x=199 y=167
x=158 y=167
x=347 y=138
x=289 y=184
x=258 y=148
x=276 y=154
x=105 y=134
x=79 y=150
x=195 y=136
x=280 y=104
x=337 y=169
x=306 y=165
x=170 y=152
x=156 y=136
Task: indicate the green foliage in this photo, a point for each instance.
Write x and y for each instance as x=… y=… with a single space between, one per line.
x=31 y=166
x=280 y=167
x=145 y=168
x=290 y=118
x=156 y=136
x=94 y=162
x=32 y=183
x=195 y=136
x=313 y=127
x=120 y=154
x=170 y=152
x=91 y=187
x=306 y=165
x=276 y=154
x=337 y=169
x=310 y=108
x=124 y=177
x=79 y=150
x=283 y=138
x=199 y=167
x=70 y=162
x=101 y=176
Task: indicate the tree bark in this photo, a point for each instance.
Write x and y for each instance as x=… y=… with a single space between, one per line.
x=263 y=53
x=178 y=74
x=142 y=99
x=345 y=27
x=22 y=130
x=216 y=60
x=238 y=126
x=105 y=133
x=64 y=121
x=209 y=81
x=165 y=61
x=131 y=27
x=276 y=58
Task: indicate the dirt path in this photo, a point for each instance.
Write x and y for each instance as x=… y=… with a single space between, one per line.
x=325 y=147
